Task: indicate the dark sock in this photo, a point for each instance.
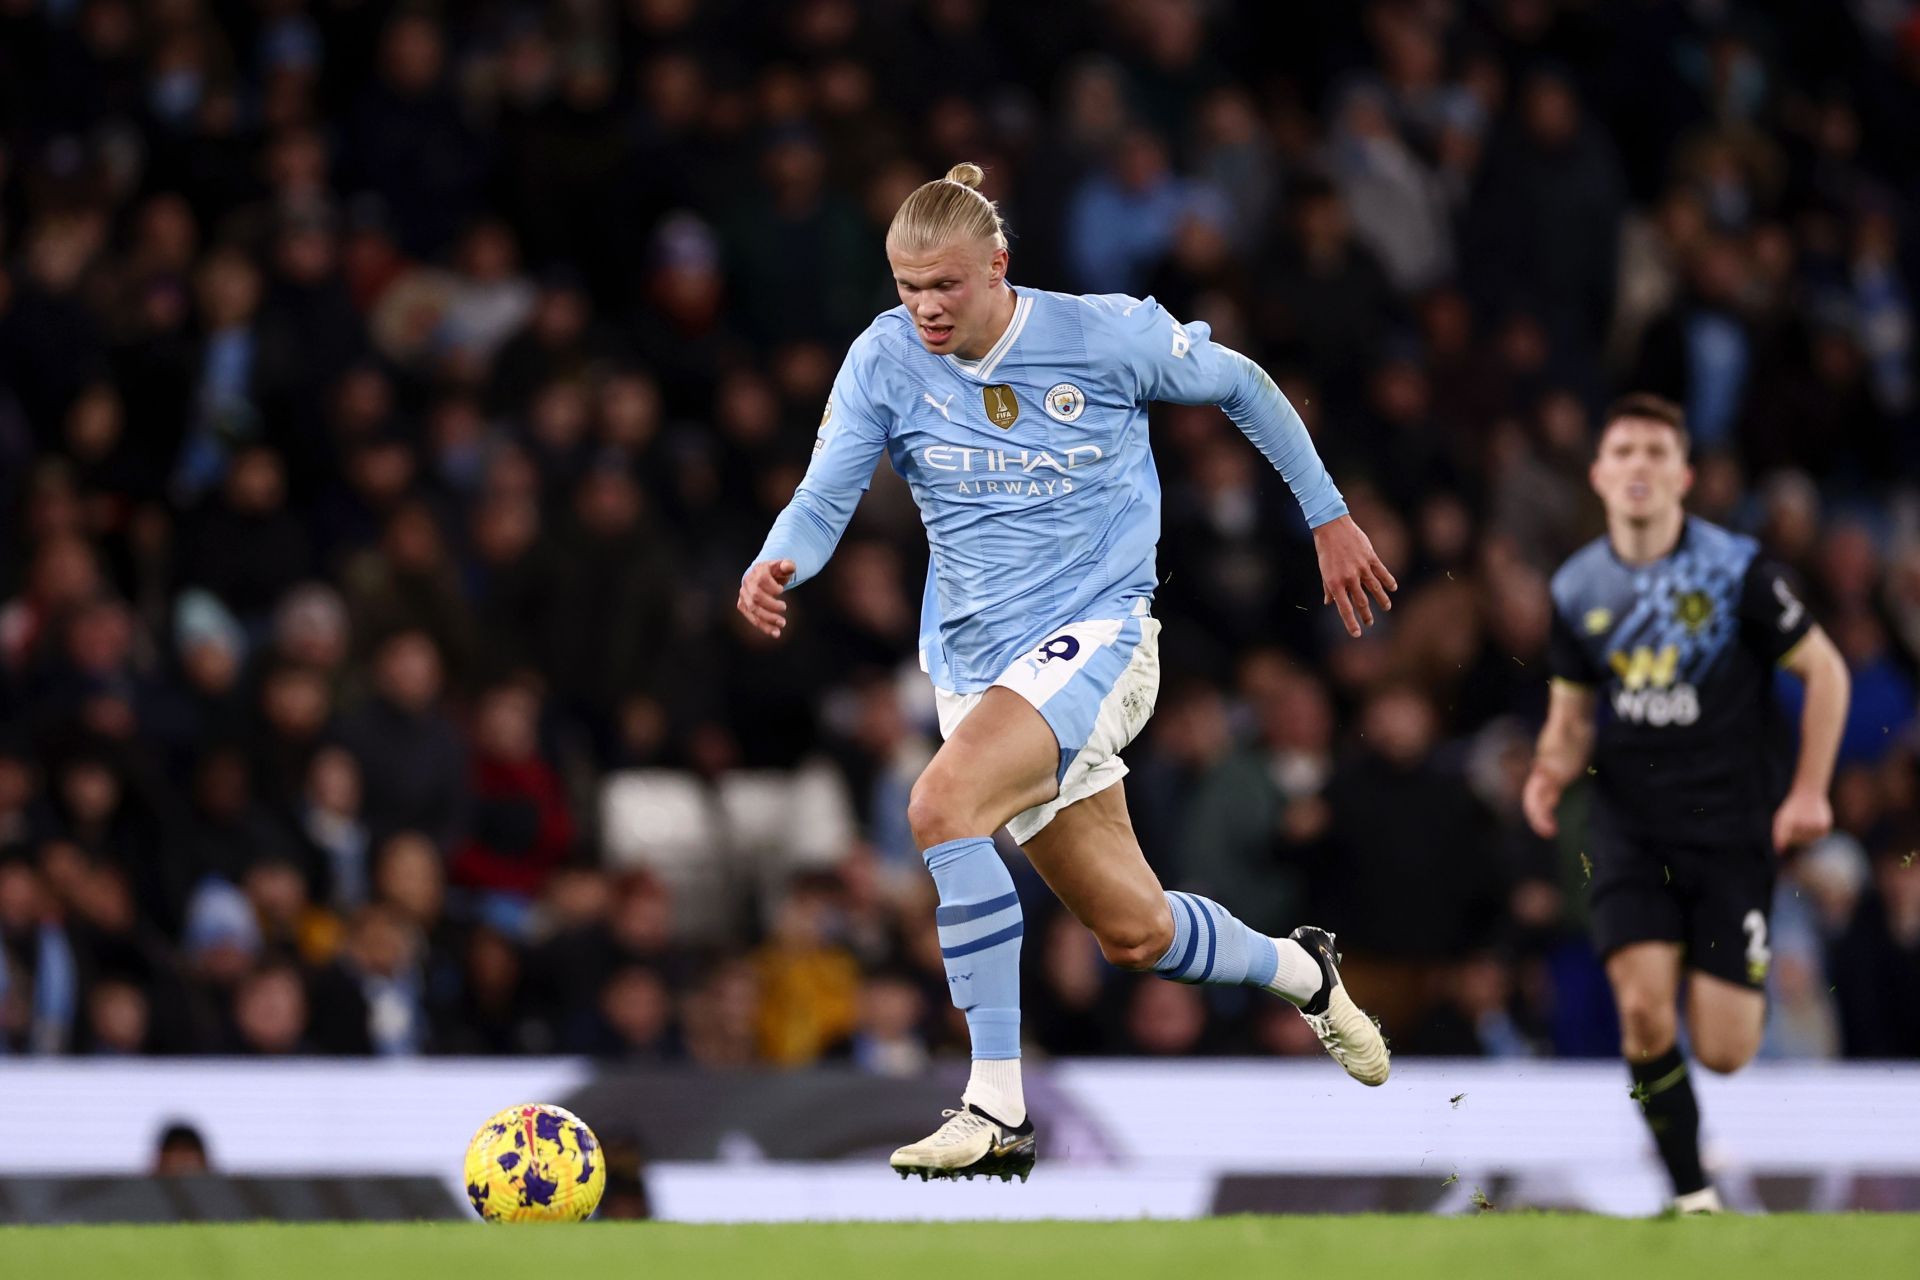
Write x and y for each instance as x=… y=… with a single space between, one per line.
x=1665 y=1093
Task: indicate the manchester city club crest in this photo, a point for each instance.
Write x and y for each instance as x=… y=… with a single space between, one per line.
x=1002 y=408
x=1065 y=402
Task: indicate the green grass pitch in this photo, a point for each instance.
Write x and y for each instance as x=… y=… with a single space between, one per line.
x=1347 y=1248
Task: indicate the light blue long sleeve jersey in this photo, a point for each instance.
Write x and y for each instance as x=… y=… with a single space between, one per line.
x=1030 y=466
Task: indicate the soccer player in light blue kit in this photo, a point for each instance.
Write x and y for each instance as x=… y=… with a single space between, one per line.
x=1018 y=419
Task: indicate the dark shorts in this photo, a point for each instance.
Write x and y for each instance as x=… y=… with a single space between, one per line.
x=1713 y=901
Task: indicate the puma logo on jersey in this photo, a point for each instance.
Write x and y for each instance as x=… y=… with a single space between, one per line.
x=941 y=405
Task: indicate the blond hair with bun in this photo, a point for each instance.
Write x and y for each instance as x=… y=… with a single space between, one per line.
x=945 y=210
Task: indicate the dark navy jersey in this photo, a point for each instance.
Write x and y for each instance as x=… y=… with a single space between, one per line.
x=1691 y=747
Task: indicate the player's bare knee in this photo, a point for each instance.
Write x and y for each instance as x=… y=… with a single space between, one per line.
x=1136 y=944
x=1720 y=1059
x=1125 y=954
x=1647 y=1025
x=1648 y=1037
x=935 y=814
x=1724 y=1055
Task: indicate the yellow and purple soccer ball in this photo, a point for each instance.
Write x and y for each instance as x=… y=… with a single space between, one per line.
x=535 y=1163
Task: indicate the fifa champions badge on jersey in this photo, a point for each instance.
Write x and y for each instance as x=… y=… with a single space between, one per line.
x=1003 y=410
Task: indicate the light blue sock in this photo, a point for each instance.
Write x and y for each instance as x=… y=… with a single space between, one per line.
x=980 y=928
x=1211 y=946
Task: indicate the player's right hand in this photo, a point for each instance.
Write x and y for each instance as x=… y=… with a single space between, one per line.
x=760 y=601
x=1539 y=799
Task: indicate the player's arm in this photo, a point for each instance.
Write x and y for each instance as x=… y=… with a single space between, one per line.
x=1565 y=746
x=1182 y=364
x=1778 y=628
x=806 y=532
x=1566 y=740
x=1806 y=815
x=1350 y=570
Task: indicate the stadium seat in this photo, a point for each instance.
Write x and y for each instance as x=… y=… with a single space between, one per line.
x=665 y=821
x=778 y=823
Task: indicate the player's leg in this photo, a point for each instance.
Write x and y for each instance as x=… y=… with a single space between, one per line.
x=1725 y=1021
x=1640 y=925
x=1646 y=984
x=1088 y=855
x=1012 y=756
x=1115 y=894
x=1724 y=895
x=999 y=760
x=1727 y=954
x=1646 y=988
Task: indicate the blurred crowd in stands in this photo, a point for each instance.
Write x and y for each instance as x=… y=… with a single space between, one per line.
x=391 y=397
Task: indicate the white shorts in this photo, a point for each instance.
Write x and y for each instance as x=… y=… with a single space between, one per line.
x=1095 y=683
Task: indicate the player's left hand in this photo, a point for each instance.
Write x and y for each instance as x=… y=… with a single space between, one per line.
x=1802 y=818
x=1350 y=572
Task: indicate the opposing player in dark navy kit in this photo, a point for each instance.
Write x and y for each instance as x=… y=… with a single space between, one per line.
x=1670 y=628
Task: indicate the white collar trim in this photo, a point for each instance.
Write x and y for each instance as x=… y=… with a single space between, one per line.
x=984 y=367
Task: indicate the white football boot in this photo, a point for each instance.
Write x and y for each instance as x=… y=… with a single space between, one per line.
x=1699 y=1203
x=1345 y=1032
x=970 y=1143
